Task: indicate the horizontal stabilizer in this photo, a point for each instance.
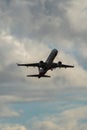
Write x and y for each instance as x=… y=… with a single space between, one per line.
x=39 y=76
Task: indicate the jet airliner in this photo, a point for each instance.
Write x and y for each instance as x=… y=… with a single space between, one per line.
x=43 y=67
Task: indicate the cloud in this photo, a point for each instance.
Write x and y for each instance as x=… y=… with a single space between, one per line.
x=77 y=15
x=70 y=119
x=12 y=127
x=48 y=21
x=13 y=78
x=44 y=20
x=5 y=111
x=28 y=32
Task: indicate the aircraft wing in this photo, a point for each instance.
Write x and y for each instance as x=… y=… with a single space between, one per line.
x=66 y=66
x=56 y=65
x=29 y=65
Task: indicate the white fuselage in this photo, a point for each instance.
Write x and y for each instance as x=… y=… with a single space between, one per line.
x=49 y=61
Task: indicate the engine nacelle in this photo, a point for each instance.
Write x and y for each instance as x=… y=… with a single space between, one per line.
x=41 y=63
x=59 y=63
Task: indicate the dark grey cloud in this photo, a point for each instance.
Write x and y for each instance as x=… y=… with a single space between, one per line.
x=43 y=18
x=40 y=20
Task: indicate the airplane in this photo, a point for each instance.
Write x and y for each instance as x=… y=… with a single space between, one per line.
x=43 y=67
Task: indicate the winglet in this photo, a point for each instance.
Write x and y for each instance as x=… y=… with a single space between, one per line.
x=72 y=66
x=18 y=64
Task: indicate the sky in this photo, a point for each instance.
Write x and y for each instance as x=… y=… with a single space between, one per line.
x=29 y=30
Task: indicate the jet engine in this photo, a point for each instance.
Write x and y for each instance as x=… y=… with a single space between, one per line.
x=41 y=63
x=59 y=63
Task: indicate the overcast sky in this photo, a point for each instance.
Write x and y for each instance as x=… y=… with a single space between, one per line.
x=29 y=30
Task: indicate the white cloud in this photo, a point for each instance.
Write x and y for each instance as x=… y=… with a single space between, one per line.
x=72 y=77
x=67 y=120
x=82 y=50
x=77 y=14
x=76 y=113
x=5 y=111
x=12 y=127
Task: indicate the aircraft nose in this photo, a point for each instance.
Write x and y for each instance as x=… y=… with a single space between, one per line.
x=55 y=51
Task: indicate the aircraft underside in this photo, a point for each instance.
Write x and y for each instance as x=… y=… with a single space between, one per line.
x=43 y=67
